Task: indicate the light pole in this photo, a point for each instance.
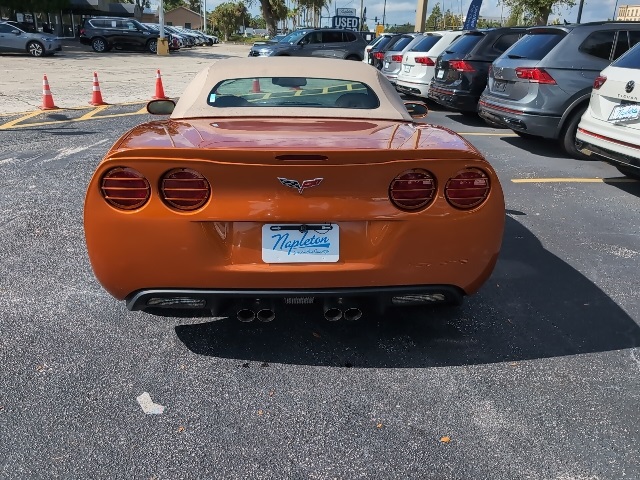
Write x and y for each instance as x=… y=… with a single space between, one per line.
x=384 y=11
x=162 y=47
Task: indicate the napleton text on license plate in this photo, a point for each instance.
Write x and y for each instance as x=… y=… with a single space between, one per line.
x=300 y=243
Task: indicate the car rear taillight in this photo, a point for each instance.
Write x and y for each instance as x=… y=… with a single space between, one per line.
x=598 y=82
x=125 y=188
x=82 y=30
x=378 y=55
x=468 y=189
x=425 y=61
x=535 y=75
x=461 y=66
x=396 y=58
x=184 y=189
x=413 y=189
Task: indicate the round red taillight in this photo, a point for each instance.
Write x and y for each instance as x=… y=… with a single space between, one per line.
x=413 y=189
x=185 y=189
x=468 y=189
x=125 y=188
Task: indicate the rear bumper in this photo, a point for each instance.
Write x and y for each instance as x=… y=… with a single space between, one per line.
x=222 y=302
x=616 y=152
x=456 y=99
x=410 y=88
x=539 y=125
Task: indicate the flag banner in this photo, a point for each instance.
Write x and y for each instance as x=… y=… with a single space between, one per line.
x=472 y=15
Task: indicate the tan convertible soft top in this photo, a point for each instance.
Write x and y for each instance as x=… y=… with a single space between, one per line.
x=193 y=102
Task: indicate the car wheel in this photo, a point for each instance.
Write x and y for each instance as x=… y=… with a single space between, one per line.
x=568 y=135
x=629 y=172
x=99 y=45
x=35 y=49
x=354 y=57
x=152 y=46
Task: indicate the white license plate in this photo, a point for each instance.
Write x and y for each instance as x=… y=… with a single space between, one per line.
x=440 y=74
x=624 y=112
x=499 y=85
x=300 y=243
x=386 y=64
x=407 y=68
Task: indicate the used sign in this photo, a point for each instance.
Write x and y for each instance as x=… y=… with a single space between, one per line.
x=350 y=23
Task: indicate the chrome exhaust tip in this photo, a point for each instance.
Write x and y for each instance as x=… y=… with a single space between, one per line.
x=332 y=314
x=246 y=315
x=352 y=314
x=266 y=315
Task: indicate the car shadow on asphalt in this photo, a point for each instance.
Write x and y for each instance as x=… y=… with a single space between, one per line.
x=538 y=146
x=534 y=306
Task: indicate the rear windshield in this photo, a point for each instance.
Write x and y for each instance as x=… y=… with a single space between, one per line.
x=464 y=44
x=382 y=43
x=294 y=92
x=534 y=46
x=401 y=44
x=631 y=59
x=426 y=43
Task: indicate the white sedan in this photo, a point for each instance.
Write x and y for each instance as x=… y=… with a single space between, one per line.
x=610 y=128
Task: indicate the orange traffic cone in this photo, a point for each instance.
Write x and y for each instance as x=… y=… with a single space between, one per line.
x=47 y=98
x=159 y=88
x=255 y=86
x=96 y=96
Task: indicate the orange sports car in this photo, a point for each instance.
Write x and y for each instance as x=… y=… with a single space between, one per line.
x=265 y=191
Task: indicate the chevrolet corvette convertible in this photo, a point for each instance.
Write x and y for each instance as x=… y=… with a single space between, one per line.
x=264 y=191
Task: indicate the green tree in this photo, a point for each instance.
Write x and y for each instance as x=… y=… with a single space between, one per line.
x=172 y=4
x=538 y=10
x=272 y=11
x=195 y=5
x=406 y=28
x=434 y=21
x=484 y=23
x=229 y=16
x=257 y=22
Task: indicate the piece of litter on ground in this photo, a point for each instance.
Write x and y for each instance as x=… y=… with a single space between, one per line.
x=148 y=406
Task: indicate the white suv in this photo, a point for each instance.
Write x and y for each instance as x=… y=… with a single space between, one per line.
x=610 y=128
x=418 y=63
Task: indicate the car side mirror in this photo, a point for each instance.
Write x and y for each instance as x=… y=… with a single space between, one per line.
x=161 y=107
x=416 y=109
x=16 y=32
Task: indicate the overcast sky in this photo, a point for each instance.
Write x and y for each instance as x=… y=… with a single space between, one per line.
x=402 y=11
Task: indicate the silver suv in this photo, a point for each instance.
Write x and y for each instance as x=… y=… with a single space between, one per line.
x=24 y=38
x=325 y=42
x=541 y=86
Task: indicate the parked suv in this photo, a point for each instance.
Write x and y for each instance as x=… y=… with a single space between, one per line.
x=541 y=86
x=461 y=70
x=104 y=33
x=392 y=60
x=610 y=128
x=419 y=62
x=325 y=42
x=23 y=38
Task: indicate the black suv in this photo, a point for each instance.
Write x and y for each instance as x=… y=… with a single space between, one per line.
x=461 y=70
x=104 y=33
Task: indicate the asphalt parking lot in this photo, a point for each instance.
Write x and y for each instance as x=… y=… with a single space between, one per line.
x=535 y=377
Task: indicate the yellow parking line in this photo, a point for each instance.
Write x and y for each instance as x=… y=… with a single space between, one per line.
x=90 y=114
x=573 y=180
x=12 y=123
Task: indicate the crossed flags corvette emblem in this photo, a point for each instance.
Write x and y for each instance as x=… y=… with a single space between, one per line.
x=300 y=186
